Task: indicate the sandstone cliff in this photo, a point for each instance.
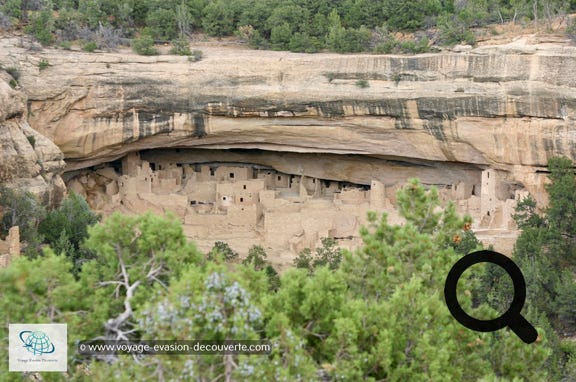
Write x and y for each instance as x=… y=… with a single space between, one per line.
x=28 y=160
x=481 y=124
x=446 y=115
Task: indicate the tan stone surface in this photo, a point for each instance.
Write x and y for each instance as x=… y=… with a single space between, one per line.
x=28 y=160
x=449 y=119
x=253 y=207
x=497 y=106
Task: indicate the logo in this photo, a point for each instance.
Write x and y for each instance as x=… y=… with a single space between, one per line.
x=37 y=347
x=36 y=342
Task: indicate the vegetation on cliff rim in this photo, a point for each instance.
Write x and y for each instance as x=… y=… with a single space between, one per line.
x=341 y=26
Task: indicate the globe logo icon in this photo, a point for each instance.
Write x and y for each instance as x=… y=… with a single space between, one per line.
x=36 y=342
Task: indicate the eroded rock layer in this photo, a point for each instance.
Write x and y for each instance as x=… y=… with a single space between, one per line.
x=28 y=160
x=497 y=107
x=451 y=119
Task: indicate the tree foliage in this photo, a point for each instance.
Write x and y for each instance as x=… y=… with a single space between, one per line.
x=378 y=315
x=66 y=228
x=302 y=26
x=20 y=209
x=545 y=251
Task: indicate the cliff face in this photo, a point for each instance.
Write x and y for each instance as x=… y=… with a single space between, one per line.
x=508 y=107
x=481 y=124
x=448 y=114
x=28 y=160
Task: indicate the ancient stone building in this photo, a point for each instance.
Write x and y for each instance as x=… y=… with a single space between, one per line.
x=245 y=204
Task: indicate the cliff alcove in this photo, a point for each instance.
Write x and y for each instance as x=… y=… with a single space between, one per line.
x=479 y=124
x=283 y=201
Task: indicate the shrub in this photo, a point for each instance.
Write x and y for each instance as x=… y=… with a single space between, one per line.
x=43 y=64
x=389 y=44
x=256 y=41
x=303 y=42
x=571 y=30
x=345 y=40
x=105 y=37
x=162 y=23
x=13 y=83
x=181 y=47
x=90 y=46
x=386 y=47
x=222 y=249
x=196 y=56
x=5 y=22
x=14 y=72
x=41 y=27
x=31 y=140
x=144 y=45
x=362 y=84
x=245 y=32
x=454 y=30
x=330 y=76
x=415 y=46
x=66 y=45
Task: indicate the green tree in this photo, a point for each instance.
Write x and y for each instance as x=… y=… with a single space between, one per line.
x=344 y=40
x=162 y=23
x=399 y=274
x=303 y=42
x=40 y=290
x=132 y=254
x=381 y=314
x=280 y=36
x=23 y=210
x=42 y=26
x=144 y=45
x=208 y=303
x=66 y=227
x=218 y=19
x=545 y=253
x=410 y=14
x=222 y=251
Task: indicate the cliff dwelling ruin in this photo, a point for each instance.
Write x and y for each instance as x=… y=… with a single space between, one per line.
x=246 y=203
x=281 y=149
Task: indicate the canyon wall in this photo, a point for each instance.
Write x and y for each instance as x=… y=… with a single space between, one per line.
x=444 y=117
x=28 y=160
x=504 y=107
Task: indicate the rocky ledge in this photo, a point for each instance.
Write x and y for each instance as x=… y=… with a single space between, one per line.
x=445 y=115
x=28 y=160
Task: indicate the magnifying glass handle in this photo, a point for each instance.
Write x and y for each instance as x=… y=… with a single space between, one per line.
x=523 y=329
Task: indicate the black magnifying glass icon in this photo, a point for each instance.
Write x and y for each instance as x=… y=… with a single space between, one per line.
x=512 y=317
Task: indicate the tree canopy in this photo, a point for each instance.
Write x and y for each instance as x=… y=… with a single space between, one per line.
x=545 y=251
x=373 y=314
x=302 y=26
